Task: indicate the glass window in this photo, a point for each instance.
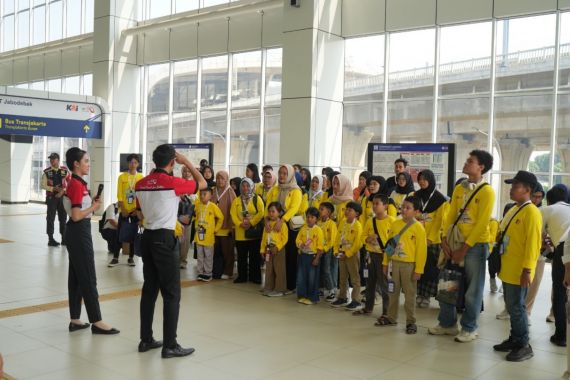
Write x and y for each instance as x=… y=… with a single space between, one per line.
x=72 y=85
x=22 y=85
x=246 y=79
x=23 y=29
x=525 y=53
x=564 y=73
x=88 y=84
x=53 y=146
x=8 y=6
x=158 y=87
x=184 y=127
x=39 y=2
x=211 y=3
x=185 y=85
x=213 y=125
x=23 y=4
x=412 y=56
x=186 y=5
x=562 y=157
x=465 y=59
x=215 y=82
x=8 y=31
x=73 y=17
x=244 y=139
x=410 y=121
x=364 y=68
x=38 y=158
x=156 y=134
x=54 y=85
x=159 y=8
x=39 y=25
x=55 y=20
x=273 y=69
x=271 y=136
x=69 y=142
x=89 y=16
x=37 y=85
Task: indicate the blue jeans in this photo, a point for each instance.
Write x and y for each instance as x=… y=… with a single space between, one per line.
x=307 y=278
x=515 y=297
x=329 y=271
x=475 y=267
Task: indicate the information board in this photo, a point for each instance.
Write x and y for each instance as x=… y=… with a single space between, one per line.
x=195 y=153
x=439 y=158
x=47 y=117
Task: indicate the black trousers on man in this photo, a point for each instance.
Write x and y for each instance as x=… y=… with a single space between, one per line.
x=55 y=206
x=161 y=271
x=559 y=297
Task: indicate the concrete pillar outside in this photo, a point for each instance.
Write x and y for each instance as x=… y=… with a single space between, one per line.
x=312 y=93
x=514 y=156
x=564 y=151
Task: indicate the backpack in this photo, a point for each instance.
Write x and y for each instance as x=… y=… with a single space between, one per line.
x=104 y=219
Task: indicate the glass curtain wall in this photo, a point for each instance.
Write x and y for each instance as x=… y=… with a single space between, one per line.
x=447 y=84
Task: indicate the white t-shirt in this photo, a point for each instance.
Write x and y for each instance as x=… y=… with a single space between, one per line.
x=111 y=214
x=556 y=221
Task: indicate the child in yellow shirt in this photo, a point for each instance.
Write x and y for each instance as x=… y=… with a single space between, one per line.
x=273 y=253
x=408 y=261
x=208 y=221
x=347 y=247
x=329 y=262
x=310 y=242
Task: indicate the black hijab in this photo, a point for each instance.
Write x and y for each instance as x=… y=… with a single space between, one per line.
x=330 y=177
x=366 y=174
x=430 y=197
x=236 y=181
x=380 y=180
x=408 y=188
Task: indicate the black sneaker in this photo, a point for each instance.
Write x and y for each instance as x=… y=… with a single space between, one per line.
x=113 y=263
x=131 y=262
x=353 y=306
x=53 y=243
x=340 y=302
x=200 y=277
x=506 y=346
x=176 y=352
x=520 y=354
x=331 y=297
x=206 y=278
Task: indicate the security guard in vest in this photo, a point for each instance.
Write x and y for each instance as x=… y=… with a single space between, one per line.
x=54 y=182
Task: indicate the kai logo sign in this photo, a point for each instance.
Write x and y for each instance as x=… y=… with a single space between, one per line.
x=72 y=107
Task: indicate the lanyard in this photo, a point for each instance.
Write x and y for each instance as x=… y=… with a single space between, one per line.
x=131 y=183
x=344 y=230
x=218 y=197
x=424 y=206
x=203 y=212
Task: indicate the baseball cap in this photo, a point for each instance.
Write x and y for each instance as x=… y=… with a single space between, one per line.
x=525 y=177
x=53 y=155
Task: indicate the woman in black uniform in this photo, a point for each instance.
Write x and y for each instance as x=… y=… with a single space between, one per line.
x=82 y=281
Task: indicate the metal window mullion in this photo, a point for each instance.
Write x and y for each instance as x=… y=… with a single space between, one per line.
x=386 y=87
x=144 y=101
x=435 y=84
x=64 y=18
x=16 y=22
x=229 y=111
x=47 y=18
x=83 y=16
x=262 y=107
x=492 y=92
x=198 y=99
x=170 y=100
x=553 y=136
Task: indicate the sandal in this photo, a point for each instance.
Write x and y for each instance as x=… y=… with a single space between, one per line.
x=383 y=320
x=411 y=329
x=362 y=312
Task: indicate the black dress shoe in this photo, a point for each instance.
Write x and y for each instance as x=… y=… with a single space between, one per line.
x=557 y=341
x=74 y=326
x=176 y=352
x=239 y=281
x=53 y=243
x=97 y=330
x=145 y=346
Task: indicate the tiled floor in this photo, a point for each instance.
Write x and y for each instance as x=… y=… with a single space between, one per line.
x=237 y=333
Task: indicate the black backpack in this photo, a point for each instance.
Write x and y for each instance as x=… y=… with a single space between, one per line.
x=104 y=219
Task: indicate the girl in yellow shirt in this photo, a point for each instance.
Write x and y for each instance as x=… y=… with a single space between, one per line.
x=315 y=193
x=247 y=211
x=310 y=242
x=403 y=184
x=273 y=252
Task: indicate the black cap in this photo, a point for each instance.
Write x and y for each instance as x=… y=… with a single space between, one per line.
x=53 y=155
x=525 y=177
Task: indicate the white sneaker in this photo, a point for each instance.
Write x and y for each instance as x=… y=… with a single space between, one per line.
x=503 y=315
x=225 y=277
x=440 y=330
x=494 y=287
x=466 y=337
x=275 y=294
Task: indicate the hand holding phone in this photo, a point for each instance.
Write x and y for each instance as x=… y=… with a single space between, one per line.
x=99 y=191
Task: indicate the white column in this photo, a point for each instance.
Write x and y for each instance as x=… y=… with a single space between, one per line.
x=15 y=166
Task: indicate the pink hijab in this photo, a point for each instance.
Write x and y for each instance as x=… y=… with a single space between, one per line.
x=345 y=191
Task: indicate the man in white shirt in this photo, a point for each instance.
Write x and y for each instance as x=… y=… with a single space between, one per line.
x=109 y=232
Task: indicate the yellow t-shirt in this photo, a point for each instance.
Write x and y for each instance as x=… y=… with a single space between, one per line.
x=433 y=222
x=338 y=214
x=384 y=227
x=398 y=200
x=329 y=233
x=292 y=202
x=412 y=247
x=474 y=223
x=348 y=238
x=315 y=235
x=279 y=239
x=367 y=212
x=493 y=230
x=521 y=243
x=211 y=218
x=236 y=212
x=125 y=185
x=315 y=201
x=260 y=190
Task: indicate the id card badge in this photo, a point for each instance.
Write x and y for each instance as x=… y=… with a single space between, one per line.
x=201 y=233
x=391 y=286
x=130 y=196
x=365 y=272
x=504 y=245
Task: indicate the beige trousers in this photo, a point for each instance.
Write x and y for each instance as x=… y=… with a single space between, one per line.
x=349 y=268
x=275 y=279
x=402 y=275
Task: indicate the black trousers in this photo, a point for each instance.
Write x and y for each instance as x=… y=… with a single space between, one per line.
x=248 y=261
x=55 y=206
x=291 y=254
x=559 y=297
x=376 y=280
x=82 y=280
x=161 y=260
x=111 y=236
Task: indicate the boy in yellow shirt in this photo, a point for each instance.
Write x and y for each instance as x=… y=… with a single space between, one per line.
x=347 y=247
x=376 y=233
x=273 y=253
x=310 y=243
x=208 y=221
x=329 y=263
x=408 y=261
x=519 y=244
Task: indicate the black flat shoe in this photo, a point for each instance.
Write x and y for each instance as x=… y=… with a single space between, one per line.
x=557 y=341
x=74 y=326
x=176 y=352
x=145 y=346
x=97 y=330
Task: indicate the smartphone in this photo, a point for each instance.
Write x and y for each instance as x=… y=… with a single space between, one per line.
x=99 y=191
